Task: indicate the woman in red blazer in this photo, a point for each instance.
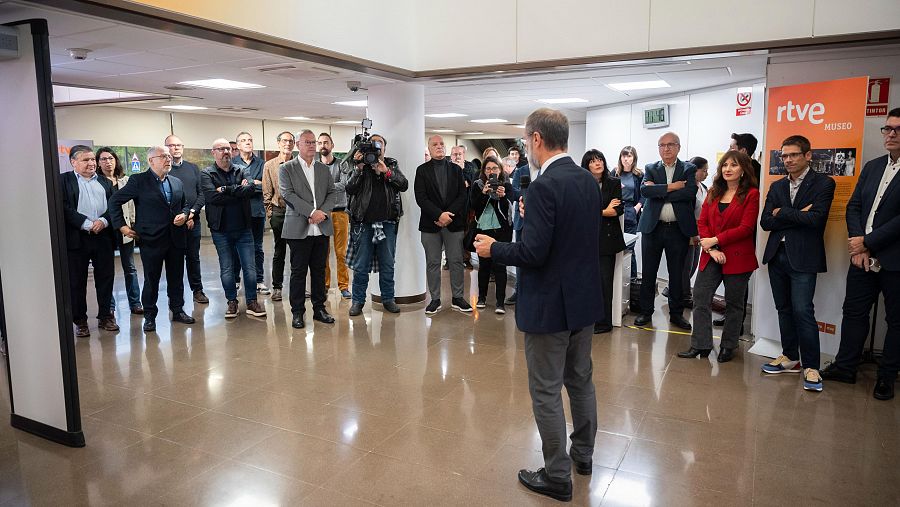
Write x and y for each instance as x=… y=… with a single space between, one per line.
x=726 y=226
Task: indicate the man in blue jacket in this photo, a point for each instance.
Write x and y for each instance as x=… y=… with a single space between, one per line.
x=561 y=298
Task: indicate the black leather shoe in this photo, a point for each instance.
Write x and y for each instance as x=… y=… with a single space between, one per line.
x=643 y=320
x=149 y=325
x=719 y=322
x=356 y=309
x=680 y=321
x=725 y=355
x=584 y=467
x=602 y=328
x=297 y=322
x=543 y=485
x=692 y=352
x=323 y=316
x=183 y=318
x=884 y=389
x=833 y=373
x=391 y=306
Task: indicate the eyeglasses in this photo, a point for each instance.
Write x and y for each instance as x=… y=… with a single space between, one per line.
x=106 y=159
x=791 y=156
x=174 y=146
x=308 y=143
x=223 y=149
x=887 y=130
x=288 y=141
x=668 y=146
x=162 y=156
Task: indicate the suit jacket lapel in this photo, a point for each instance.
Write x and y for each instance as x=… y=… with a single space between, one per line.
x=679 y=171
x=890 y=189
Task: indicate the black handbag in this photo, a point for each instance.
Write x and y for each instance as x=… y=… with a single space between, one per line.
x=469 y=238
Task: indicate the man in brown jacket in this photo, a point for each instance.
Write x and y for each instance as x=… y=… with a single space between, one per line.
x=275 y=208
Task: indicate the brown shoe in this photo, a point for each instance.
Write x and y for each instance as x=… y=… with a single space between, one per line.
x=255 y=309
x=108 y=324
x=200 y=297
x=137 y=310
x=82 y=330
x=232 y=310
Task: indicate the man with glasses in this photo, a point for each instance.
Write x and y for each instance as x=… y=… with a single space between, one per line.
x=340 y=173
x=795 y=214
x=252 y=167
x=89 y=239
x=873 y=224
x=666 y=225
x=189 y=174
x=161 y=219
x=227 y=193
x=275 y=208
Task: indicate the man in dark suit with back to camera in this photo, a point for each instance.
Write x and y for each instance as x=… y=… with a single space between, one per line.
x=561 y=298
x=88 y=238
x=873 y=224
x=161 y=226
x=795 y=214
x=307 y=188
x=667 y=225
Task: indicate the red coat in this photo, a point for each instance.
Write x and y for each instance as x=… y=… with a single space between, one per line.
x=735 y=228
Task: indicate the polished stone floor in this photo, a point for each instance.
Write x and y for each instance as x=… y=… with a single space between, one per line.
x=410 y=410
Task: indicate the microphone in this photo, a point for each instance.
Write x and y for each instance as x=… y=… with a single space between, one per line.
x=524 y=181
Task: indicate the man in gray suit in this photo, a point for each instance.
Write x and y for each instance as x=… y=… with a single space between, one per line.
x=307 y=226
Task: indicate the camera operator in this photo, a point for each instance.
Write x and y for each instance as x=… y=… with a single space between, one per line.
x=375 y=209
x=491 y=203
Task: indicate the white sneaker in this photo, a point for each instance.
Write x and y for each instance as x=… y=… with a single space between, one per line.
x=262 y=289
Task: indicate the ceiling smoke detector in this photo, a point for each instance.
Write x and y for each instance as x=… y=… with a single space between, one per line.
x=78 y=53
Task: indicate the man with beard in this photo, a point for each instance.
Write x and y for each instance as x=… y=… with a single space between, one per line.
x=340 y=173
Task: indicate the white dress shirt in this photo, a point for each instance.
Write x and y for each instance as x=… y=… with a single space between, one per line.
x=668 y=212
x=310 y=173
x=889 y=172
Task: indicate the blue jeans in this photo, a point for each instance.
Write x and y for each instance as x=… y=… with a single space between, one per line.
x=793 y=294
x=241 y=242
x=384 y=251
x=132 y=286
x=258 y=227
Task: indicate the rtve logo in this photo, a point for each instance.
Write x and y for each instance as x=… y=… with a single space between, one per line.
x=795 y=112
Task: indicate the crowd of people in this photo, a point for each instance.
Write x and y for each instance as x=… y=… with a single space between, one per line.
x=315 y=201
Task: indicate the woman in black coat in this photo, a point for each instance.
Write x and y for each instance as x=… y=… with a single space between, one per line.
x=490 y=199
x=611 y=239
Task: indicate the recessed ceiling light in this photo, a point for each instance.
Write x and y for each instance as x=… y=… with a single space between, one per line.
x=221 y=84
x=520 y=126
x=570 y=100
x=474 y=133
x=183 y=108
x=638 y=85
x=347 y=122
x=443 y=131
x=296 y=118
x=489 y=120
x=352 y=103
x=446 y=115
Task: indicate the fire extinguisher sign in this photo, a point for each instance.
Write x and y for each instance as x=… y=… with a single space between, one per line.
x=879 y=91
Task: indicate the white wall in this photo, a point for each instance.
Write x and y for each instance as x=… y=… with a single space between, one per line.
x=113 y=125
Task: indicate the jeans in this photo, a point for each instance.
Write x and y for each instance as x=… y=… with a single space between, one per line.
x=384 y=251
x=708 y=281
x=451 y=242
x=630 y=226
x=341 y=222
x=793 y=294
x=258 y=228
x=192 y=257
x=668 y=238
x=862 y=292
x=129 y=269
x=277 y=224
x=227 y=243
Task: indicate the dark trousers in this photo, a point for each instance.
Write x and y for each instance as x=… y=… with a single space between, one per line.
x=556 y=360
x=665 y=237
x=192 y=257
x=97 y=250
x=152 y=258
x=308 y=254
x=277 y=224
x=862 y=292
x=607 y=273
x=258 y=228
x=705 y=287
x=486 y=266
x=793 y=293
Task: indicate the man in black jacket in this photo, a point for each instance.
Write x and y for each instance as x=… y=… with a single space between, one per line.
x=375 y=210
x=441 y=193
x=161 y=216
x=873 y=224
x=88 y=238
x=227 y=193
x=796 y=213
x=189 y=174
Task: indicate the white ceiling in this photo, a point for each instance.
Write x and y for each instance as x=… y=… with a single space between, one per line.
x=131 y=58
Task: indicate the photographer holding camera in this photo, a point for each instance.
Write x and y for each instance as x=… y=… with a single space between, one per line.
x=375 y=209
x=490 y=199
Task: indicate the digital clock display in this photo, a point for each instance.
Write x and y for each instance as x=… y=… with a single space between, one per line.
x=656 y=116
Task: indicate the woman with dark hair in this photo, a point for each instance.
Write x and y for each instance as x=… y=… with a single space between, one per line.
x=630 y=174
x=490 y=200
x=727 y=223
x=611 y=240
x=109 y=165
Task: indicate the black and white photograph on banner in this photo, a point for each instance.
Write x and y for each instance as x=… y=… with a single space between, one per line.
x=830 y=161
